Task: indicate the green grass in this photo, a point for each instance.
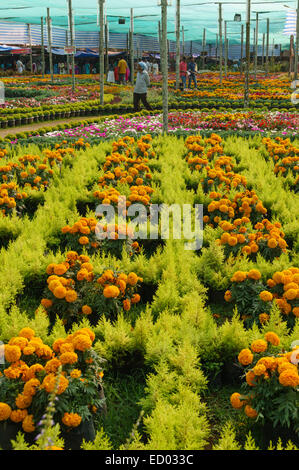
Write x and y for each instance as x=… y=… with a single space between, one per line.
x=123 y=392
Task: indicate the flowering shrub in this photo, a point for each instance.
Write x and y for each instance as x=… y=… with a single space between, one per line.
x=74 y=290
x=29 y=375
x=272 y=380
x=86 y=234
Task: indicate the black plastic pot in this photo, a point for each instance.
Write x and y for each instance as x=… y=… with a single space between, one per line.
x=8 y=432
x=73 y=438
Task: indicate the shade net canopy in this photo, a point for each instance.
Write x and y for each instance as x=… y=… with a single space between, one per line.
x=195 y=16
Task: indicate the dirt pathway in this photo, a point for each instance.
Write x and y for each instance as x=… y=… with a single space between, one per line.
x=39 y=125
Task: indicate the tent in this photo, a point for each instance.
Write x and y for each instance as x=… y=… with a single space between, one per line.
x=194 y=16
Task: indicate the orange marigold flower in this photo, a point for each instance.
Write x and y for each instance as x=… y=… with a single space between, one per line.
x=111 y=292
x=17 y=416
x=272 y=338
x=259 y=345
x=289 y=378
x=12 y=353
x=235 y=401
x=266 y=296
x=72 y=420
x=250 y=412
x=68 y=358
x=245 y=357
x=28 y=424
x=27 y=333
x=5 y=411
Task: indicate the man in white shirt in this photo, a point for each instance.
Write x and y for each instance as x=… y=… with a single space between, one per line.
x=141 y=86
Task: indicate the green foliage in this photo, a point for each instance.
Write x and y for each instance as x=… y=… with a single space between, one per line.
x=227 y=439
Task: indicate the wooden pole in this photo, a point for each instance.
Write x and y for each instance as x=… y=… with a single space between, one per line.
x=183 y=39
x=43 y=45
x=246 y=87
x=71 y=26
x=132 y=45
x=220 y=43
x=164 y=66
x=178 y=46
x=49 y=23
x=216 y=46
x=101 y=51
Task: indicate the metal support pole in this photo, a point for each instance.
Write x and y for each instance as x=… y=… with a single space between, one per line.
x=242 y=42
x=43 y=45
x=291 y=66
x=183 y=40
x=101 y=51
x=225 y=49
x=203 y=47
x=272 y=54
x=178 y=51
x=216 y=47
x=246 y=87
x=263 y=50
x=297 y=44
x=30 y=45
x=132 y=45
x=164 y=65
x=67 y=56
x=71 y=26
x=267 y=46
x=106 y=47
x=256 y=42
x=220 y=43
x=49 y=23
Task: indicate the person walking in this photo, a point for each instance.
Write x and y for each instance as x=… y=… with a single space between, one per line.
x=192 y=72
x=122 y=68
x=183 y=72
x=20 y=66
x=141 y=86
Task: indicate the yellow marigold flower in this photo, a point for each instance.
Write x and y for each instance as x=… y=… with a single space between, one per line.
x=60 y=269
x=12 y=353
x=27 y=333
x=266 y=296
x=30 y=387
x=60 y=292
x=259 y=369
x=76 y=373
x=259 y=345
x=49 y=383
x=272 y=338
x=291 y=294
x=126 y=305
x=19 y=341
x=86 y=310
x=132 y=279
x=289 y=378
x=52 y=365
x=263 y=317
x=268 y=361
x=245 y=357
x=57 y=344
x=23 y=401
x=68 y=358
x=5 y=411
x=28 y=424
x=235 y=401
x=239 y=276
x=33 y=370
x=135 y=299
x=87 y=332
x=17 y=416
x=111 y=292
x=254 y=274
x=83 y=241
x=44 y=351
x=82 y=342
x=47 y=303
x=66 y=347
x=286 y=366
x=250 y=412
x=71 y=296
x=228 y=296
x=72 y=420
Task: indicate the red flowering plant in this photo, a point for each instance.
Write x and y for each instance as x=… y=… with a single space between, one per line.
x=33 y=370
x=270 y=393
